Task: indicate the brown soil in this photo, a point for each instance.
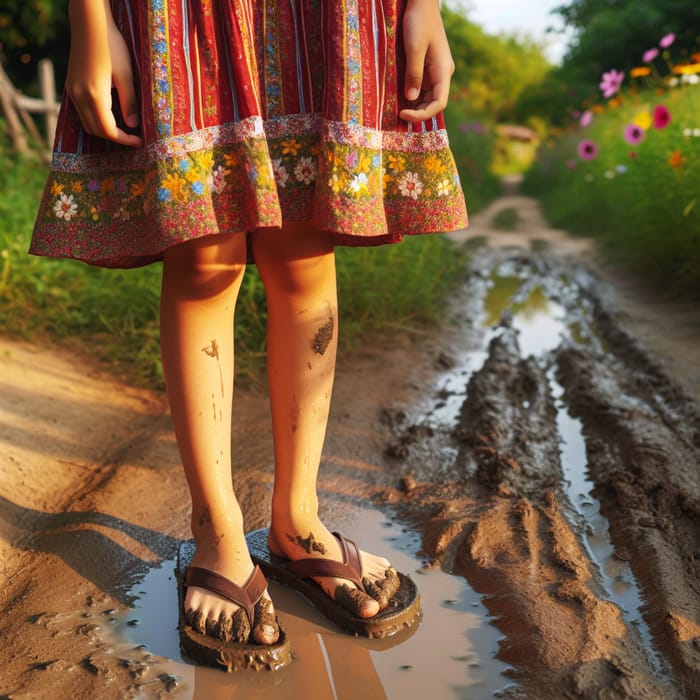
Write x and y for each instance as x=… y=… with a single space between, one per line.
x=92 y=495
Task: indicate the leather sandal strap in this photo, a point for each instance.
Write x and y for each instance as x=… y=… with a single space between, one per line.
x=246 y=597
x=313 y=567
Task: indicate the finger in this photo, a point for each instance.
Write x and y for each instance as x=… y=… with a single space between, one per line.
x=124 y=85
x=108 y=129
x=415 y=65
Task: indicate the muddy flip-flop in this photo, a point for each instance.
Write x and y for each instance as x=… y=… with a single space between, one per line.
x=402 y=612
x=211 y=651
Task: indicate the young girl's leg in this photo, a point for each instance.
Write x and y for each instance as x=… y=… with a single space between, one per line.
x=297 y=266
x=201 y=280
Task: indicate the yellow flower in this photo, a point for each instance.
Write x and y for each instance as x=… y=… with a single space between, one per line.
x=643 y=120
x=363 y=163
x=640 y=72
x=292 y=146
x=687 y=68
x=77 y=186
x=205 y=160
x=94 y=214
x=675 y=160
x=192 y=175
x=176 y=185
x=335 y=183
x=56 y=188
x=396 y=162
x=386 y=179
x=433 y=164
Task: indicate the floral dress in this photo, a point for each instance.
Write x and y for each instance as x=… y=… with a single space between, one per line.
x=253 y=113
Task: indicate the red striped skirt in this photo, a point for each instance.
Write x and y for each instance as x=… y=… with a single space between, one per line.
x=253 y=113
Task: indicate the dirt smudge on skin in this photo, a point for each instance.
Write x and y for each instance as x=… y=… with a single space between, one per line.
x=295 y=413
x=212 y=350
x=204 y=518
x=350 y=598
x=308 y=544
x=324 y=336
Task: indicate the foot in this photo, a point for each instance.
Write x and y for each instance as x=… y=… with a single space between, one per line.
x=211 y=614
x=313 y=540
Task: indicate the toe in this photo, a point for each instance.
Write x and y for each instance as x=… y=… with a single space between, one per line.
x=266 y=628
x=197 y=621
x=383 y=589
x=356 y=601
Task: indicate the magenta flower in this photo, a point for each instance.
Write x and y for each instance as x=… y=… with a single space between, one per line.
x=667 y=40
x=650 y=55
x=662 y=117
x=586 y=118
x=634 y=134
x=587 y=150
x=611 y=82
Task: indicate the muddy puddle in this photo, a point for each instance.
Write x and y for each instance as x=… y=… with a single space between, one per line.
x=546 y=487
x=451 y=653
x=542 y=487
x=555 y=467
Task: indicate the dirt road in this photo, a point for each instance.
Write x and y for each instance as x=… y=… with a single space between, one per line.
x=535 y=466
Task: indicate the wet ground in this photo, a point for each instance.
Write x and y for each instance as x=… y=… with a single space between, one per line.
x=535 y=468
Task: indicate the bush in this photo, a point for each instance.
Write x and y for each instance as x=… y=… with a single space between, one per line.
x=641 y=200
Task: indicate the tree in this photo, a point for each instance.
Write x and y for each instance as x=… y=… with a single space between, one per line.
x=608 y=34
x=491 y=71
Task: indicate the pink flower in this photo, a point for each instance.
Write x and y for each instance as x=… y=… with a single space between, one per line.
x=633 y=134
x=587 y=149
x=611 y=82
x=650 y=55
x=662 y=117
x=667 y=40
x=586 y=118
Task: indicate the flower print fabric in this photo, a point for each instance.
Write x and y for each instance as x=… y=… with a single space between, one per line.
x=253 y=113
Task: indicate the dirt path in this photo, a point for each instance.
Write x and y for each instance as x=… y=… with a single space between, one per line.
x=538 y=465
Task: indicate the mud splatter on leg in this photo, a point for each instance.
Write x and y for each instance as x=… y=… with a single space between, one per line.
x=308 y=544
x=324 y=336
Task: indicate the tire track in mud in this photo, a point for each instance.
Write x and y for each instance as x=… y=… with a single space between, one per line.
x=506 y=511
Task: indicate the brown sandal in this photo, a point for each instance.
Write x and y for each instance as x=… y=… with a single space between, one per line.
x=216 y=652
x=402 y=609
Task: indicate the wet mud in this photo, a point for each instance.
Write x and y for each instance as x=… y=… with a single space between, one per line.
x=534 y=467
x=507 y=512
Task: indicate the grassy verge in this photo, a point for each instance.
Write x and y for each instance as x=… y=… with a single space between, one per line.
x=640 y=199
x=113 y=314
x=473 y=141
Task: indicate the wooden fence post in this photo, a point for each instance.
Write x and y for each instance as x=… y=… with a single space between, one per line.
x=47 y=84
x=7 y=102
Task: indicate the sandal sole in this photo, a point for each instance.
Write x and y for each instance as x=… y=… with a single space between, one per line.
x=403 y=610
x=228 y=656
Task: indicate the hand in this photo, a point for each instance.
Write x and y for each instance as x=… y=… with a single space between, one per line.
x=98 y=60
x=429 y=64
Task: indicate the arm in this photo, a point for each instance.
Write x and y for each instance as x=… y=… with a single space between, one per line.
x=98 y=60
x=429 y=64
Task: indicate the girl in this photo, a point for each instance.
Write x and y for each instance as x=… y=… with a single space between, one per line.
x=209 y=133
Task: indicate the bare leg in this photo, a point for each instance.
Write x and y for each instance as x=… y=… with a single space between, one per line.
x=201 y=280
x=297 y=266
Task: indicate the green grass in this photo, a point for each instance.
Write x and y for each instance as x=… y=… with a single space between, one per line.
x=473 y=140
x=644 y=211
x=113 y=314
